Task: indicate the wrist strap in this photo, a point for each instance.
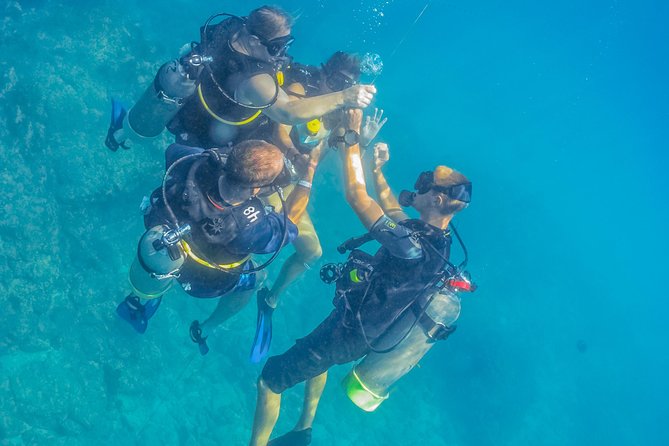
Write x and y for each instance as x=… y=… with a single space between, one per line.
x=304 y=183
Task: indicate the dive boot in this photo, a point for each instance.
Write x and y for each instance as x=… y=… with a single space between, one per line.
x=196 y=336
x=137 y=315
x=293 y=438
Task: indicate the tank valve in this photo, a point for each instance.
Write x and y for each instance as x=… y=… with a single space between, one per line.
x=170 y=240
x=197 y=60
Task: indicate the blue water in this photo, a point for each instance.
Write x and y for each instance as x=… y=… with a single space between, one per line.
x=558 y=113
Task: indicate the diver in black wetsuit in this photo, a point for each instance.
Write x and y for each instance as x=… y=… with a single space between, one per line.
x=227 y=88
x=376 y=295
x=204 y=224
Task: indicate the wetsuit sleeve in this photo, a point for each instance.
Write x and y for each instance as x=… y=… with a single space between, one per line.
x=274 y=230
x=396 y=238
x=177 y=151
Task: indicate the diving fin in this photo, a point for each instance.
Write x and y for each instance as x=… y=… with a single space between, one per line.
x=196 y=336
x=151 y=306
x=117 y=115
x=132 y=311
x=293 y=438
x=263 y=337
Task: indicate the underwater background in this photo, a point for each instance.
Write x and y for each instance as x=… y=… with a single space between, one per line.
x=558 y=112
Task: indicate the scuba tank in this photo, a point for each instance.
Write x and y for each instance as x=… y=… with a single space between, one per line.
x=159 y=258
x=161 y=101
x=306 y=136
x=369 y=381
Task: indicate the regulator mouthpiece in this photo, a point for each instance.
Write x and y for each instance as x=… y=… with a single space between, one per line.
x=406 y=198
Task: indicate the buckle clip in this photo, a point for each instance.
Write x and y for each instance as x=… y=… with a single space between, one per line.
x=439 y=332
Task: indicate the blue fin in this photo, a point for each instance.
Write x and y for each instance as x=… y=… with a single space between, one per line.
x=117 y=114
x=293 y=438
x=196 y=336
x=263 y=337
x=131 y=310
x=151 y=306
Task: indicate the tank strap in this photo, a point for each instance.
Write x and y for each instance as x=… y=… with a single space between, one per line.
x=223 y=120
x=189 y=252
x=143 y=295
x=435 y=331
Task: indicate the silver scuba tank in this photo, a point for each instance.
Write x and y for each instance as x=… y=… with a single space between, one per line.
x=160 y=102
x=159 y=258
x=368 y=383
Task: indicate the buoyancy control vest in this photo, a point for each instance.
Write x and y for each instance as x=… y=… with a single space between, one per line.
x=374 y=291
x=218 y=230
x=309 y=76
x=214 y=99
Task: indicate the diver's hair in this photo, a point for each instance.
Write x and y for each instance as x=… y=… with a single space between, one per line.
x=267 y=22
x=254 y=162
x=341 y=61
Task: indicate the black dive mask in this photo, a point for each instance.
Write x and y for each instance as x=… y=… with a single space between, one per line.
x=338 y=81
x=277 y=47
x=461 y=192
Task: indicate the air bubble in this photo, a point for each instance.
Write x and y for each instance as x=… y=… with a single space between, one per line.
x=371 y=64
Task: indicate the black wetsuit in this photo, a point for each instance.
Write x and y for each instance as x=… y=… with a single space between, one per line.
x=403 y=266
x=221 y=234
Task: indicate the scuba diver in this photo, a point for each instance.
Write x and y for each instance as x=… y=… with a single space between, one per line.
x=227 y=88
x=339 y=72
x=204 y=223
x=380 y=299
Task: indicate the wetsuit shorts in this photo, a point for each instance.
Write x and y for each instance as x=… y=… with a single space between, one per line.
x=329 y=344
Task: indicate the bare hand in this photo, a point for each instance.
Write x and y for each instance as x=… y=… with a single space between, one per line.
x=317 y=154
x=372 y=127
x=354 y=118
x=359 y=96
x=300 y=162
x=381 y=154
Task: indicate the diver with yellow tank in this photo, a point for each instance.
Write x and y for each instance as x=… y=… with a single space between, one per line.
x=389 y=307
x=227 y=88
x=339 y=72
x=204 y=223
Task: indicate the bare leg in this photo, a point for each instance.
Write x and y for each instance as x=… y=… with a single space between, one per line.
x=268 y=406
x=227 y=307
x=231 y=304
x=307 y=251
x=312 y=394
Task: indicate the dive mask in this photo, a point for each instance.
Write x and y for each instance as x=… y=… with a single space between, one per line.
x=338 y=81
x=461 y=192
x=278 y=46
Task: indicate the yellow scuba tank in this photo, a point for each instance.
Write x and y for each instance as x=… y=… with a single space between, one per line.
x=313 y=127
x=308 y=135
x=159 y=258
x=368 y=383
